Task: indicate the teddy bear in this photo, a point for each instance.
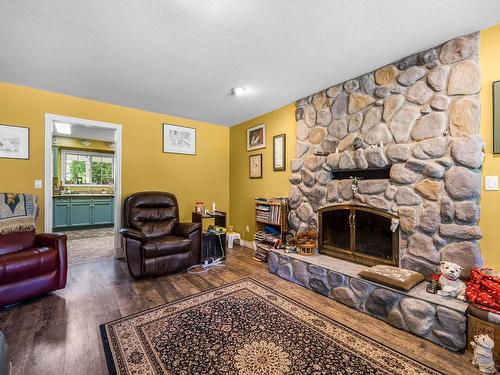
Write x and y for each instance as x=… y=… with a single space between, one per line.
x=449 y=283
x=483 y=354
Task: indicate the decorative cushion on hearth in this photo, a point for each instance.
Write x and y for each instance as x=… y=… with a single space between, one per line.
x=394 y=277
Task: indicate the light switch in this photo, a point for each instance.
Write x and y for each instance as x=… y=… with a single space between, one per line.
x=38 y=184
x=491 y=183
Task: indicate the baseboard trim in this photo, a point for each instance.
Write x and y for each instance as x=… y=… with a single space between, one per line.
x=248 y=244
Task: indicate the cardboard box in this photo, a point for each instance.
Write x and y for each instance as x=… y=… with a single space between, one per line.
x=476 y=326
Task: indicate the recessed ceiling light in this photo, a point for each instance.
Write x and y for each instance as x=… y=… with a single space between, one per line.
x=62 y=127
x=237 y=91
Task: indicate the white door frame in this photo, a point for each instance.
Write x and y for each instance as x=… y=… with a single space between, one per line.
x=49 y=119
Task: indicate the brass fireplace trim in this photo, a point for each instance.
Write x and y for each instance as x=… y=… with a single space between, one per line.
x=351 y=254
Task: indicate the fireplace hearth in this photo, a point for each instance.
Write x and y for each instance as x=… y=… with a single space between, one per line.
x=358 y=233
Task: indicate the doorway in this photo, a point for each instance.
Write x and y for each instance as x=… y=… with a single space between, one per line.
x=83 y=185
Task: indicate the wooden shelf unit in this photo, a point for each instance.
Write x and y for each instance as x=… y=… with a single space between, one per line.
x=278 y=218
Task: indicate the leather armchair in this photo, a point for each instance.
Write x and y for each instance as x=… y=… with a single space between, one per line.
x=31 y=265
x=155 y=242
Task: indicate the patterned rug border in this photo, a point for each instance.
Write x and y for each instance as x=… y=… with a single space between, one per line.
x=109 y=355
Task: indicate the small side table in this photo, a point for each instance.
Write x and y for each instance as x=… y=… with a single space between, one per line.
x=219 y=218
x=212 y=245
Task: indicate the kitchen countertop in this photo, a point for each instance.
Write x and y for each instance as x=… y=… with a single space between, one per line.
x=83 y=195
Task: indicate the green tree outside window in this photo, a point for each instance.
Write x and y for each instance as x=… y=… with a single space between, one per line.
x=102 y=173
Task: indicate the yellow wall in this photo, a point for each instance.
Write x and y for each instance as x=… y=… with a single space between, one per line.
x=204 y=176
x=490 y=200
x=244 y=190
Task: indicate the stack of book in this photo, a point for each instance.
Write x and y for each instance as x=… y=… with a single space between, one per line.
x=264 y=243
x=268 y=214
x=262 y=213
x=275 y=214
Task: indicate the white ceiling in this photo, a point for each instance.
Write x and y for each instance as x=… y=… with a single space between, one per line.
x=182 y=57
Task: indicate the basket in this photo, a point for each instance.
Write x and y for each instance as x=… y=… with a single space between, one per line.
x=306 y=248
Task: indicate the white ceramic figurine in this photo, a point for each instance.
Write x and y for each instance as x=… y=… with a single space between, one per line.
x=449 y=282
x=483 y=354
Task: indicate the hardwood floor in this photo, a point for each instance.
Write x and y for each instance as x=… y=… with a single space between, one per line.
x=59 y=333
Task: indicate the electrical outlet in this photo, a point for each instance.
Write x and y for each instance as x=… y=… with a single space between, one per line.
x=247 y=228
x=491 y=183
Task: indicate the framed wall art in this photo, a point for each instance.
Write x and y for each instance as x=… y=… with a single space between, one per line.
x=256 y=137
x=279 y=152
x=496 y=117
x=255 y=166
x=14 y=142
x=179 y=139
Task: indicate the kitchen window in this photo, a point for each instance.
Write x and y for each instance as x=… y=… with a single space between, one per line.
x=87 y=168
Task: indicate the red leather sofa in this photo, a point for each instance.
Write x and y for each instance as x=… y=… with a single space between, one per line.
x=31 y=265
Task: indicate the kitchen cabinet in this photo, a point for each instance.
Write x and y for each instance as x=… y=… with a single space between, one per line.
x=102 y=211
x=60 y=217
x=82 y=212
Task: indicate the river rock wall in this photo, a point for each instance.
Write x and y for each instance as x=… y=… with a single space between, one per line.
x=420 y=116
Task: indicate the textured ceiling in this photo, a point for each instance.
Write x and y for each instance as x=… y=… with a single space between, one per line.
x=182 y=57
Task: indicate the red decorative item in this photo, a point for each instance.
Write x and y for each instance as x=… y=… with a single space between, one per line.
x=484 y=291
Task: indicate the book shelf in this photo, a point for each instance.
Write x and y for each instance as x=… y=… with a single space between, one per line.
x=271 y=225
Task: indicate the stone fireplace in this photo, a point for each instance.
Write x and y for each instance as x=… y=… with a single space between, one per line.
x=409 y=132
x=395 y=147
x=358 y=233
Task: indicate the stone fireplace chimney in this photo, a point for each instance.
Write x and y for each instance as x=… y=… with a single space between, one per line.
x=419 y=120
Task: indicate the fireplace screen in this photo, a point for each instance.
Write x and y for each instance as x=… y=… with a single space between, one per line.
x=358 y=233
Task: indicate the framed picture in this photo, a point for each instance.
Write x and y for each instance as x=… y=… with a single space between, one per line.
x=255 y=166
x=279 y=152
x=14 y=142
x=496 y=117
x=179 y=139
x=256 y=137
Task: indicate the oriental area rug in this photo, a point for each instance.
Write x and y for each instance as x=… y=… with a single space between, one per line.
x=244 y=328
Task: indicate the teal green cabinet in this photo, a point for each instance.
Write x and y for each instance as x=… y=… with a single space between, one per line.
x=82 y=212
x=102 y=211
x=61 y=212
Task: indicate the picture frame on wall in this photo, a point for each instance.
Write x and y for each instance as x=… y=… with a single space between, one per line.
x=496 y=117
x=14 y=142
x=279 y=152
x=255 y=166
x=179 y=139
x=256 y=137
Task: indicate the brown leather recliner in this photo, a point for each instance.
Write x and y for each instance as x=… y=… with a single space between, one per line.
x=31 y=265
x=154 y=240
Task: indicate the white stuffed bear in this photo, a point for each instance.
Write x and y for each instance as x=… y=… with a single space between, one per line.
x=449 y=282
x=483 y=354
